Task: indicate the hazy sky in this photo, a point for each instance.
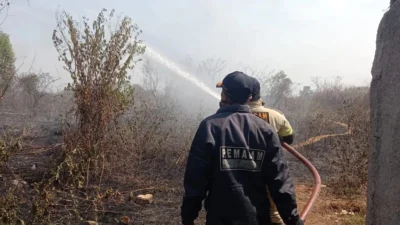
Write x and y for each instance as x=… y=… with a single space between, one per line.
x=304 y=38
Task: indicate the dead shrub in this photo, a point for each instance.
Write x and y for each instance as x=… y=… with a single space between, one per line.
x=99 y=61
x=8 y=144
x=153 y=136
x=10 y=208
x=351 y=150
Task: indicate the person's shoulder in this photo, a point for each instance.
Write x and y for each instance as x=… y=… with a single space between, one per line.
x=275 y=113
x=274 y=110
x=214 y=118
x=261 y=123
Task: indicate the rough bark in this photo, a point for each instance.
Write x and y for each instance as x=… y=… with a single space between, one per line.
x=384 y=158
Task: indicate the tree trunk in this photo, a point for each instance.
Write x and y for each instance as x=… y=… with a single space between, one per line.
x=383 y=205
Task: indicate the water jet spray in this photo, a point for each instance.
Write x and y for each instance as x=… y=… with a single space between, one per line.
x=157 y=56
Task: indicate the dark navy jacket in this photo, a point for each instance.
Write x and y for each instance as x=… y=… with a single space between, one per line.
x=233 y=156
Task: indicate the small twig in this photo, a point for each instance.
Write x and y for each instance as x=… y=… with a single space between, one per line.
x=7 y=6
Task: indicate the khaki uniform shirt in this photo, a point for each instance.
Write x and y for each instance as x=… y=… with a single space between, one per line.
x=283 y=128
x=273 y=117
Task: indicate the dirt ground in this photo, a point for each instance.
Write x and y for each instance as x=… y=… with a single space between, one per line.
x=328 y=209
x=331 y=209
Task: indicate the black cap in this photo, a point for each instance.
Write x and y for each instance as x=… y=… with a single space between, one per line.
x=238 y=85
x=256 y=94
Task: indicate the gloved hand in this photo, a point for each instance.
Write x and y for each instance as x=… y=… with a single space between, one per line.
x=187 y=222
x=300 y=222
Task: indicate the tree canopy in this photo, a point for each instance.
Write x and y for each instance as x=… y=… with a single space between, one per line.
x=7 y=60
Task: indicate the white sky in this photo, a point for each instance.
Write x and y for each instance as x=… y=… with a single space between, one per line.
x=304 y=38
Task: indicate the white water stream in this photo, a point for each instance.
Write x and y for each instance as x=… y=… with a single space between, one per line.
x=155 y=55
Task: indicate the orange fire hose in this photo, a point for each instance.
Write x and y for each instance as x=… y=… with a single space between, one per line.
x=317 y=180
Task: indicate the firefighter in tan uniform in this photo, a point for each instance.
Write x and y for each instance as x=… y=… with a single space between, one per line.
x=272 y=116
x=281 y=125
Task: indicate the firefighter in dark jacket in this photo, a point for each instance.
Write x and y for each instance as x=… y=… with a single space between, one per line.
x=233 y=156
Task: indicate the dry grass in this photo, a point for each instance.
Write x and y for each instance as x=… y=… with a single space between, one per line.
x=329 y=207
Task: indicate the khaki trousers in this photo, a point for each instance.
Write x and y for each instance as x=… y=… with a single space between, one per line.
x=273 y=213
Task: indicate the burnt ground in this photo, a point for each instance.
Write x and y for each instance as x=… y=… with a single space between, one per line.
x=31 y=164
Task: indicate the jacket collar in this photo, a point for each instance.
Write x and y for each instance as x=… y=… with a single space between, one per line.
x=235 y=108
x=258 y=103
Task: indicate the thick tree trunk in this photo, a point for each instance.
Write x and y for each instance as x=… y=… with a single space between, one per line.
x=384 y=158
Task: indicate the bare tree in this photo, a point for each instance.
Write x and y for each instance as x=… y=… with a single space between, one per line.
x=212 y=68
x=4 y=6
x=35 y=86
x=150 y=78
x=279 y=86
